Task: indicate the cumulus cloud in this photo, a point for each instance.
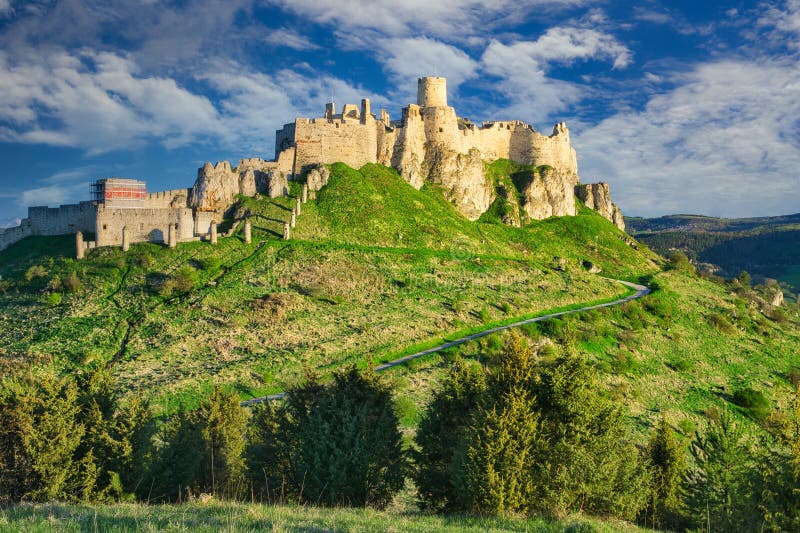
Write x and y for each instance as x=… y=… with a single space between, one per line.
x=522 y=68
x=95 y=101
x=407 y=59
x=722 y=142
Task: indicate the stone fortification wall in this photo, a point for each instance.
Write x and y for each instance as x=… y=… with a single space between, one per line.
x=166 y=199
x=9 y=236
x=142 y=225
x=350 y=140
x=62 y=220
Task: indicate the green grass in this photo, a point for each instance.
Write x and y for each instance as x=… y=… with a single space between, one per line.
x=214 y=516
x=375 y=268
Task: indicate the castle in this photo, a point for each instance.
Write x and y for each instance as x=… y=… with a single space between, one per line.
x=429 y=143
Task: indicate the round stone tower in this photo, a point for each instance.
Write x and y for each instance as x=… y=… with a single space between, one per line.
x=432 y=92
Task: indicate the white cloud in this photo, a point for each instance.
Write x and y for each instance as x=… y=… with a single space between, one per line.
x=10 y=222
x=441 y=18
x=54 y=195
x=567 y=45
x=408 y=59
x=522 y=69
x=725 y=141
x=290 y=39
x=6 y=9
x=95 y=101
x=782 y=22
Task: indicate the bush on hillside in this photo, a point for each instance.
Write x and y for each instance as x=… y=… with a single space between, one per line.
x=439 y=432
x=333 y=444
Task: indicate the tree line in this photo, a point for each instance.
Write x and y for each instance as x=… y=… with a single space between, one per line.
x=519 y=436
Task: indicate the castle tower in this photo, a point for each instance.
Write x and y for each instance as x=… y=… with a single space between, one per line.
x=432 y=92
x=365 y=110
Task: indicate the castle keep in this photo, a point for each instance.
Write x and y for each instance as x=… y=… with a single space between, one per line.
x=428 y=143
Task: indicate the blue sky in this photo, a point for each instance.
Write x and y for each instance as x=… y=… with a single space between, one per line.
x=683 y=106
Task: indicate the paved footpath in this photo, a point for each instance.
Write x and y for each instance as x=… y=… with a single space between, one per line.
x=641 y=290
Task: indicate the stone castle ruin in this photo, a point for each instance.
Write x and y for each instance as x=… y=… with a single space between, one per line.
x=429 y=143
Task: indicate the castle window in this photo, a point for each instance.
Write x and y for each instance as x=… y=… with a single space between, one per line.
x=441 y=130
x=141 y=227
x=105 y=227
x=337 y=125
x=508 y=127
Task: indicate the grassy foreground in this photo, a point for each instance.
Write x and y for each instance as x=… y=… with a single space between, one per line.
x=230 y=517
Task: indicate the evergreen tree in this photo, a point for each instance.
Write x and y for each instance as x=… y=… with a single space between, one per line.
x=175 y=470
x=39 y=438
x=494 y=463
x=719 y=490
x=224 y=426
x=780 y=503
x=333 y=444
x=668 y=462
x=107 y=449
x=441 y=427
x=587 y=463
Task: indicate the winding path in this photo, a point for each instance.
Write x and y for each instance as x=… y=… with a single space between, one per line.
x=641 y=290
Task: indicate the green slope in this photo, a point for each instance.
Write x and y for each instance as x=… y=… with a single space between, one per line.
x=374 y=267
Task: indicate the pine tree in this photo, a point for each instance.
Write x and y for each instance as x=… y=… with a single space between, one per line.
x=332 y=444
x=439 y=432
x=224 y=426
x=493 y=471
x=588 y=463
x=40 y=435
x=668 y=463
x=719 y=489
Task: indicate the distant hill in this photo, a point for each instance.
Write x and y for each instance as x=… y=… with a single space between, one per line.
x=766 y=247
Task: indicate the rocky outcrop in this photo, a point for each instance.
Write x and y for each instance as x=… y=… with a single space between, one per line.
x=597 y=196
x=462 y=179
x=215 y=188
x=549 y=193
x=317 y=177
x=776 y=300
x=273 y=183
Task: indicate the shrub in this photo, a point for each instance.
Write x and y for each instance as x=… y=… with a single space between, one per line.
x=211 y=264
x=439 y=432
x=333 y=444
x=679 y=261
x=145 y=260
x=35 y=271
x=754 y=401
x=71 y=282
x=53 y=299
x=721 y=323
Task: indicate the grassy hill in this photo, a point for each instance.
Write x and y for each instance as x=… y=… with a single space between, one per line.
x=767 y=247
x=374 y=268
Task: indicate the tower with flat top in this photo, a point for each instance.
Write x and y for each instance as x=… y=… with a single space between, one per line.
x=432 y=92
